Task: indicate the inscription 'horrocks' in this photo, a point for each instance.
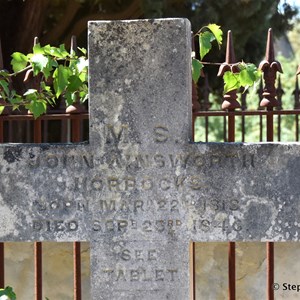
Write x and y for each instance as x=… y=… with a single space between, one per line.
x=139 y=191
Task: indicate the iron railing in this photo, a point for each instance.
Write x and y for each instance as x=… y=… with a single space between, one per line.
x=71 y=125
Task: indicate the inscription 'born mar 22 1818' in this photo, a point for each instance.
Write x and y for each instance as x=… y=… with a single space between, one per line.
x=140 y=191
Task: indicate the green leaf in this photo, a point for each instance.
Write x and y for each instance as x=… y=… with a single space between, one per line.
x=205 y=40
x=196 y=69
x=231 y=81
x=217 y=32
x=1 y=109
x=83 y=50
x=249 y=74
x=63 y=51
x=61 y=77
x=49 y=67
x=39 y=62
x=37 y=107
x=59 y=53
x=37 y=49
x=74 y=83
x=19 y=61
x=5 y=86
x=8 y=291
x=15 y=100
x=68 y=97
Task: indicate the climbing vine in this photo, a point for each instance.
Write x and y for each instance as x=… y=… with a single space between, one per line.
x=62 y=74
x=238 y=75
x=58 y=73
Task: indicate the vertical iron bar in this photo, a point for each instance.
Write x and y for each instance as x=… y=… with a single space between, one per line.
x=243 y=128
x=231 y=127
x=230 y=103
x=206 y=129
x=260 y=128
x=38 y=270
x=231 y=270
x=1 y=130
x=76 y=122
x=269 y=67
x=192 y=272
x=231 y=245
x=37 y=131
x=75 y=134
x=279 y=128
x=192 y=244
x=193 y=127
x=297 y=128
x=224 y=129
x=195 y=108
x=1 y=265
x=270 y=245
x=37 y=136
x=77 y=270
x=270 y=132
x=270 y=270
x=10 y=131
x=1 y=141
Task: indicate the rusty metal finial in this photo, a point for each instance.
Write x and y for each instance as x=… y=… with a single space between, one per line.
x=230 y=99
x=270 y=54
x=296 y=94
x=230 y=55
x=269 y=66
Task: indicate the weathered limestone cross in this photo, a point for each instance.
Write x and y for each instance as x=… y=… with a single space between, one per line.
x=140 y=191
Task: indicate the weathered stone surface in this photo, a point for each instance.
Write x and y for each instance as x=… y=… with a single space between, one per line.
x=140 y=191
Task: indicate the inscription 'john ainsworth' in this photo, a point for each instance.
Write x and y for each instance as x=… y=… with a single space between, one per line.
x=141 y=161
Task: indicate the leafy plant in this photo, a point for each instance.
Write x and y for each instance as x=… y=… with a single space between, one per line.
x=58 y=73
x=239 y=75
x=8 y=292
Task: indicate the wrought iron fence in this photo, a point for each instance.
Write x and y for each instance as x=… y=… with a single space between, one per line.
x=64 y=125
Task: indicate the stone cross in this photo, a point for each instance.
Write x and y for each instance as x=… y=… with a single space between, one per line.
x=140 y=191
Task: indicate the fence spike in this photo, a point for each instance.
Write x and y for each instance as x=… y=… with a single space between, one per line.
x=269 y=66
x=230 y=54
x=230 y=99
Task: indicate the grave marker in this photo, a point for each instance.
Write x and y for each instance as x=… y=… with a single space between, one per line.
x=140 y=191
